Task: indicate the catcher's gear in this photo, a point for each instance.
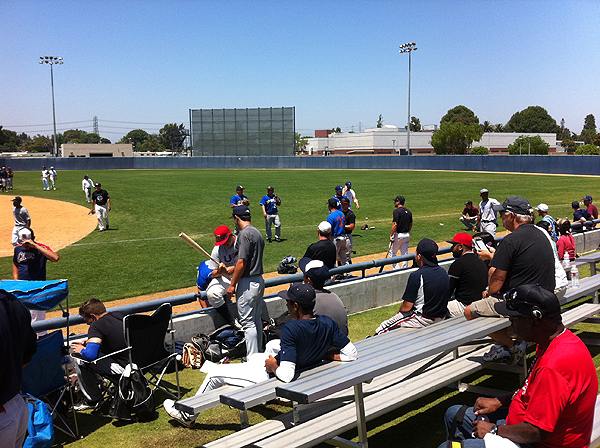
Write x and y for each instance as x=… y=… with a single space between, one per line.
x=286 y=266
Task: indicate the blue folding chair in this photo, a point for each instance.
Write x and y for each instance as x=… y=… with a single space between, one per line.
x=46 y=378
x=47 y=372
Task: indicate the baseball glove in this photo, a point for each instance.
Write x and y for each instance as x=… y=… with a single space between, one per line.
x=245 y=202
x=286 y=266
x=365 y=227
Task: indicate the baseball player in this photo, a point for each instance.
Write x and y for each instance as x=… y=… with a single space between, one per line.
x=3 y=179
x=215 y=278
x=338 y=196
x=87 y=185
x=338 y=232
x=22 y=219
x=350 y=194
x=400 y=232
x=486 y=220
x=269 y=204
x=10 y=178
x=53 y=176
x=100 y=202
x=45 y=177
x=350 y=219
x=238 y=197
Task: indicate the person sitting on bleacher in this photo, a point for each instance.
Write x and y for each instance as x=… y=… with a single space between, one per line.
x=525 y=256
x=305 y=342
x=580 y=215
x=555 y=405
x=468 y=275
x=425 y=299
x=105 y=336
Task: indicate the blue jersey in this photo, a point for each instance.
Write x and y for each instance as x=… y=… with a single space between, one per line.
x=581 y=213
x=305 y=342
x=31 y=263
x=204 y=275
x=338 y=221
x=236 y=199
x=339 y=200
x=270 y=203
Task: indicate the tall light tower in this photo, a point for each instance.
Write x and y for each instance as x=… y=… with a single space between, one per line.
x=408 y=48
x=52 y=60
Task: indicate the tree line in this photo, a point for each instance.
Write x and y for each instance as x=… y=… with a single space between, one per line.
x=171 y=137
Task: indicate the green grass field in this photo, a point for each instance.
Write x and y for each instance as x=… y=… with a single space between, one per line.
x=142 y=254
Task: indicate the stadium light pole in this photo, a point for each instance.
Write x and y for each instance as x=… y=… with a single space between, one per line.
x=408 y=48
x=52 y=60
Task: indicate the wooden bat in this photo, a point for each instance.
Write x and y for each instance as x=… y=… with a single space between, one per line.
x=199 y=248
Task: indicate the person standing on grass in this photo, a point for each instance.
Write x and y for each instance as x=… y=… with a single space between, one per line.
x=350 y=224
x=22 y=219
x=487 y=220
x=87 y=185
x=402 y=222
x=350 y=194
x=269 y=204
x=45 y=178
x=101 y=205
x=324 y=249
x=10 y=178
x=247 y=282
x=338 y=229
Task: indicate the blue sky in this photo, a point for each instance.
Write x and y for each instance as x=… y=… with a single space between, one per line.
x=140 y=64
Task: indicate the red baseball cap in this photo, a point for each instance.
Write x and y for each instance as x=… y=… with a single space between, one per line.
x=222 y=234
x=462 y=238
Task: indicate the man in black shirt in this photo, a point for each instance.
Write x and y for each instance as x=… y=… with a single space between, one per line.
x=17 y=348
x=523 y=257
x=468 y=275
x=349 y=226
x=324 y=249
x=400 y=232
x=101 y=205
x=105 y=336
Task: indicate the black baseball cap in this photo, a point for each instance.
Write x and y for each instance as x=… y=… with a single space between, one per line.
x=314 y=269
x=469 y=203
x=515 y=204
x=17 y=198
x=575 y=204
x=333 y=203
x=240 y=210
x=428 y=249
x=525 y=299
x=400 y=199
x=97 y=184
x=301 y=293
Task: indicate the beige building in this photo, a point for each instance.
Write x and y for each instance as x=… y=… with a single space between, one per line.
x=96 y=150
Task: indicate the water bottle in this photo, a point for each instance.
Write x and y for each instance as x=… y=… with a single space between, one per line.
x=567 y=267
x=574 y=276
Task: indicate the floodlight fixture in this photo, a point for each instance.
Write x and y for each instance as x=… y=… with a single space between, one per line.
x=52 y=60
x=408 y=48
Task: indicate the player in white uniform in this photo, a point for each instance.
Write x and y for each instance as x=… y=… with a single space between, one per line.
x=350 y=194
x=53 y=176
x=22 y=219
x=45 y=177
x=87 y=185
x=486 y=221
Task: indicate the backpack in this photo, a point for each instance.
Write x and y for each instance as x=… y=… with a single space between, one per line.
x=133 y=395
x=225 y=341
x=40 y=426
x=273 y=327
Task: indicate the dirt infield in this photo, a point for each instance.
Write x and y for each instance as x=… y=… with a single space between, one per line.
x=55 y=223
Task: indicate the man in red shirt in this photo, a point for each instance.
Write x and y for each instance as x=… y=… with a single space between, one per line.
x=555 y=406
x=591 y=208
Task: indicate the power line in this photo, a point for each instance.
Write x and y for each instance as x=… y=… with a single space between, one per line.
x=46 y=124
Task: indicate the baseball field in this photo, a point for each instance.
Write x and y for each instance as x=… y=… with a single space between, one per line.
x=142 y=254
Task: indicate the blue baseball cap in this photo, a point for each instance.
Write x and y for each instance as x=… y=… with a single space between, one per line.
x=338 y=188
x=240 y=210
x=348 y=184
x=301 y=293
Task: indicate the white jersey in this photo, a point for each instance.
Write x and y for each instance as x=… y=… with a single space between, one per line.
x=350 y=194
x=223 y=255
x=485 y=210
x=87 y=183
x=45 y=174
x=21 y=216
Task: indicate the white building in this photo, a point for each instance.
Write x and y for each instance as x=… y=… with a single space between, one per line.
x=390 y=139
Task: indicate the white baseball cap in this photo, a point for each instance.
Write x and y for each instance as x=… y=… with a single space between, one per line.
x=24 y=234
x=542 y=208
x=483 y=190
x=324 y=227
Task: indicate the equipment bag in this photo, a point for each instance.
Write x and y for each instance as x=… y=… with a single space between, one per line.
x=134 y=395
x=40 y=426
x=225 y=341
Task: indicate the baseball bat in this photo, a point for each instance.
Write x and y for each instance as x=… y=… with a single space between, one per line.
x=386 y=256
x=199 y=248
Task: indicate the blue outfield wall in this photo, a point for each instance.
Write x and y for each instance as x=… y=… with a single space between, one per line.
x=563 y=164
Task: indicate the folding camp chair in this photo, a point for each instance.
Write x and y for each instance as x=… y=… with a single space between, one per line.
x=145 y=336
x=46 y=378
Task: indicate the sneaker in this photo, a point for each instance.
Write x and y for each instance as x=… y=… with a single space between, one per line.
x=84 y=406
x=277 y=239
x=184 y=418
x=517 y=352
x=269 y=240
x=498 y=353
